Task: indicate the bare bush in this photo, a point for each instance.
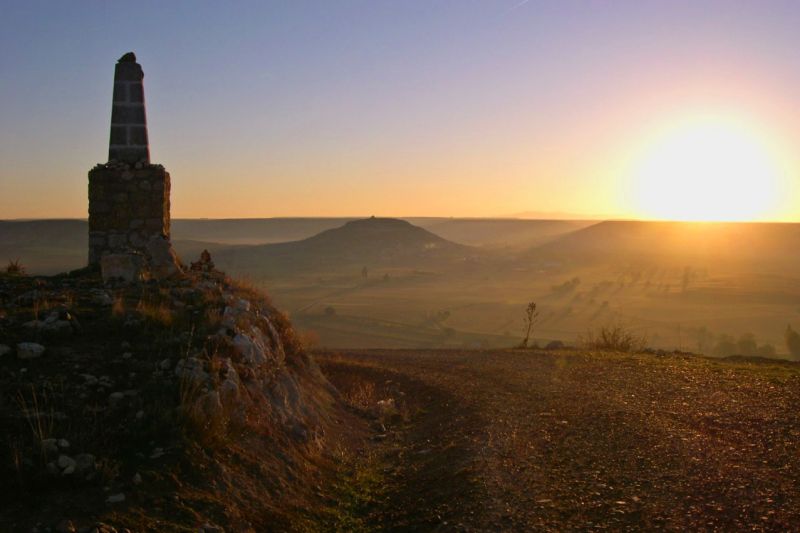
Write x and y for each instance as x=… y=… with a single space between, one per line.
x=614 y=338
x=15 y=268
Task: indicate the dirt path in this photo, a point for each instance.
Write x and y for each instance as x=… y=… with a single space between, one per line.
x=514 y=441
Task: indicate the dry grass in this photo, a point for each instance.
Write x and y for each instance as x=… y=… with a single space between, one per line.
x=205 y=419
x=39 y=414
x=158 y=313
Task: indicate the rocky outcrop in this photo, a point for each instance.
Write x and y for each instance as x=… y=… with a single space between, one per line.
x=123 y=381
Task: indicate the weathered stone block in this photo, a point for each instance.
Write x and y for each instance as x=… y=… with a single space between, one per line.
x=137 y=240
x=136 y=93
x=126 y=114
x=137 y=135
x=163 y=260
x=120 y=92
x=117 y=241
x=133 y=217
x=99 y=207
x=119 y=135
x=125 y=267
x=97 y=238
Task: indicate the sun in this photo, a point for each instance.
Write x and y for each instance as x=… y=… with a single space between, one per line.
x=707 y=169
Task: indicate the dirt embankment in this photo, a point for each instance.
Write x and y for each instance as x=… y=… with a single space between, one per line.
x=520 y=441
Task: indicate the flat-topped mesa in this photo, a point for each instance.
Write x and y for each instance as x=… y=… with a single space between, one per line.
x=129 y=220
x=128 y=142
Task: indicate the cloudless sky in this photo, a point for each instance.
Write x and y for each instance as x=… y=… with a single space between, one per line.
x=446 y=107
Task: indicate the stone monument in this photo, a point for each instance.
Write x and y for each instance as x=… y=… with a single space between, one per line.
x=129 y=223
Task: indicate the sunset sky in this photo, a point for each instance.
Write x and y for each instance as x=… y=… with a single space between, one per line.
x=638 y=109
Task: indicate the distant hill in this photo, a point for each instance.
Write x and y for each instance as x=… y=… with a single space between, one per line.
x=51 y=246
x=252 y=230
x=758 y=246
x=500 y=232
x=44 y=246
x=371 y=241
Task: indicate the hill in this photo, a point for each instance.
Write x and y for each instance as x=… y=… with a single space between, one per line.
x=368 y=242
x=252 y=231
x=45 y=246
x=160 y=406
x=499 y=232
x=763 y=246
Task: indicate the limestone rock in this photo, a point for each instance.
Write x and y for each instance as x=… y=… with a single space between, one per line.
x=66 y=464
x=252 y=351
x=234 y=310
x=211 y=405
x=84 y=463
x=191 y=369
x=29 y=350
x=50 y=446
x=116 y=498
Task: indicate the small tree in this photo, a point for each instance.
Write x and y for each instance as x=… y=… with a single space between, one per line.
x=531 y=314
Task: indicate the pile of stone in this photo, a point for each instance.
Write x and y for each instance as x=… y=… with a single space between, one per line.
x=205 y=264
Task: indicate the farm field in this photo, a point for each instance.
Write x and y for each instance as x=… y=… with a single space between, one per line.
x=569 y=440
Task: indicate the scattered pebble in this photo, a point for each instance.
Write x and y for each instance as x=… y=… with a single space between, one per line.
x=116 y=498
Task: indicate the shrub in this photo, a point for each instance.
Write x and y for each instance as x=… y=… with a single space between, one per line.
x=554 y=345
x=15 y=268
x=614 y=338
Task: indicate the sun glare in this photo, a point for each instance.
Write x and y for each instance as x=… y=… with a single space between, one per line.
x=706 y=170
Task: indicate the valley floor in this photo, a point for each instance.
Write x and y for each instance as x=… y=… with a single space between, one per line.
x=520 y=441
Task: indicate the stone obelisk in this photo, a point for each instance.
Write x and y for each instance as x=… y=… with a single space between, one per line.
x=128 y=121
x=129 y=221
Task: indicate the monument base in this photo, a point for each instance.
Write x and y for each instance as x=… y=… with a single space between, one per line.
x=128 y=209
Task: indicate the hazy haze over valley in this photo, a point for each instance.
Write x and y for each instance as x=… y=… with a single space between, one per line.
x=449 y=282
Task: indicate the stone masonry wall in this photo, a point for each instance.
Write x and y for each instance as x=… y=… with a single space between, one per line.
x=127 y=207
